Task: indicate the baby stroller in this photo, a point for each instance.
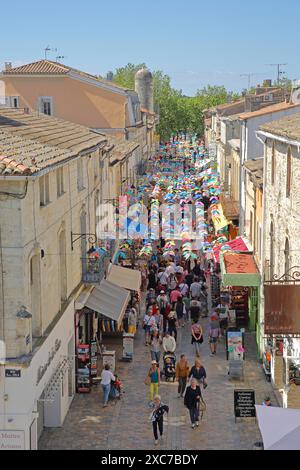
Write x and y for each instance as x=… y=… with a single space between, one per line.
x=170 y=367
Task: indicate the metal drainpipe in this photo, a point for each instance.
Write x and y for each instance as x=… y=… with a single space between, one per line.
x=2 y=285
x=3 y=326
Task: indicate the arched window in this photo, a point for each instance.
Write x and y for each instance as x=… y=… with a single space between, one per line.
x=289 y=173
x=287 y=256
x=273 y=169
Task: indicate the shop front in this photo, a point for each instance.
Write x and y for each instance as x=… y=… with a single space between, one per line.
x=99 y=311
x=41 y=387
x=282 y=336
x=241 y=282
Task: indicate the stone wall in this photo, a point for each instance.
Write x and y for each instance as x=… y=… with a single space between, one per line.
x=27 y=229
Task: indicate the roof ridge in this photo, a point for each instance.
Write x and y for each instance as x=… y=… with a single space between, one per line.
x=61 y=68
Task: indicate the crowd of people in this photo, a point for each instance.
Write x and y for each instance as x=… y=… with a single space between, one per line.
x=177 y=299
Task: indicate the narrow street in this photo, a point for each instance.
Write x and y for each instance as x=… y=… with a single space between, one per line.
x=124 y=424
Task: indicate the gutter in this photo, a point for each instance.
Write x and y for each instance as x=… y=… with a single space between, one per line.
x=263 y=136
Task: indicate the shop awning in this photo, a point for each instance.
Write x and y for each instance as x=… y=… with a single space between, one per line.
x=109 y=300
x=130 y=279
x=239 y=269
x=279 y=427
x=236 y=245
x=231 y=208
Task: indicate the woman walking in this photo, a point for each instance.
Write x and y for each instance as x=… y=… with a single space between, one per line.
x=172 y=324
x=106 y=378
x=197 y=336
x=155 y=347
x=182 y=373
x=157 y=418
x=214 y=334
x=180 y=311
x=192 y=400
x=198 y=373
x=153 y=379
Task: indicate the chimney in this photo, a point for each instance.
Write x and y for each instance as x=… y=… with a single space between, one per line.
x=8 y=66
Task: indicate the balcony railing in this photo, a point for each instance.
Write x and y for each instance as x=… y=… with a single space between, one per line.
x=93 y=269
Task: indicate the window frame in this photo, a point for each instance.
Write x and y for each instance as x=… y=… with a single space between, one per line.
x=80 y=175
x=42 y=101
x=44 y=189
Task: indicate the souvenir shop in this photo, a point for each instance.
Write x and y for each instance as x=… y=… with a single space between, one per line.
x=281 y=358
x=240 y=285
x=102 y=311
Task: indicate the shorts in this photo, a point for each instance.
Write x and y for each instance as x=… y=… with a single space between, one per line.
x=224 y=323
x=132 y=330
x=213 y=340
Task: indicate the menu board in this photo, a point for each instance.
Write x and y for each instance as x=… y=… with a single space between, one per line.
x=83 y=368
x=235 y=344
x=93 y=359
x=244 y=404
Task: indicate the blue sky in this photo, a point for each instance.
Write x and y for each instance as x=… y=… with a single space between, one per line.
x=196 y=42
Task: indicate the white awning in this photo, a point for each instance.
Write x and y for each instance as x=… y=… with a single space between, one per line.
x=130 y=279
x=279 y=427
x=109 y=300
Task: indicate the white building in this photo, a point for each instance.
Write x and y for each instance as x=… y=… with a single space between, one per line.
x=50 y=185
x=251 y=147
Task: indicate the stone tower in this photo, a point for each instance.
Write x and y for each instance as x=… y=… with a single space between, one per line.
x=144 y=88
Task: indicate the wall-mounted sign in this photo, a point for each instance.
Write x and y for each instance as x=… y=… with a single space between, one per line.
x=13 y=373
x=12 y=440
x=244 y=404
x=282 y=309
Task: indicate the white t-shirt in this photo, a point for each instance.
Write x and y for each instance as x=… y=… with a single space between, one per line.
x=107 y=376
x=196 y=289
x=163 y=278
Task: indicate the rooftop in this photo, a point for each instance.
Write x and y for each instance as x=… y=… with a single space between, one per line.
x=121 y=149
x=256 y=168
x=288 y=127
x=275 y=108
x=30 y=142
x=49 y=67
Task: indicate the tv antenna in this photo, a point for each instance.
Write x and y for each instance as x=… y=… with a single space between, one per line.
x=280 y=72
x=46 y=51
x=249 y=76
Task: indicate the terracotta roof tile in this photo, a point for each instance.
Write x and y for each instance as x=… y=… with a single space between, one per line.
x=34 y=141
x=288 y=127
x=8 y=166
x=49 y=67
x=275 y=108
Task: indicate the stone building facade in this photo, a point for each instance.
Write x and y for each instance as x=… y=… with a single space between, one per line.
x=281 y=234
x=50 y=185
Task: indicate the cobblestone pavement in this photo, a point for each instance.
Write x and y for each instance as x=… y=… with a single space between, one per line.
x=125 y=424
